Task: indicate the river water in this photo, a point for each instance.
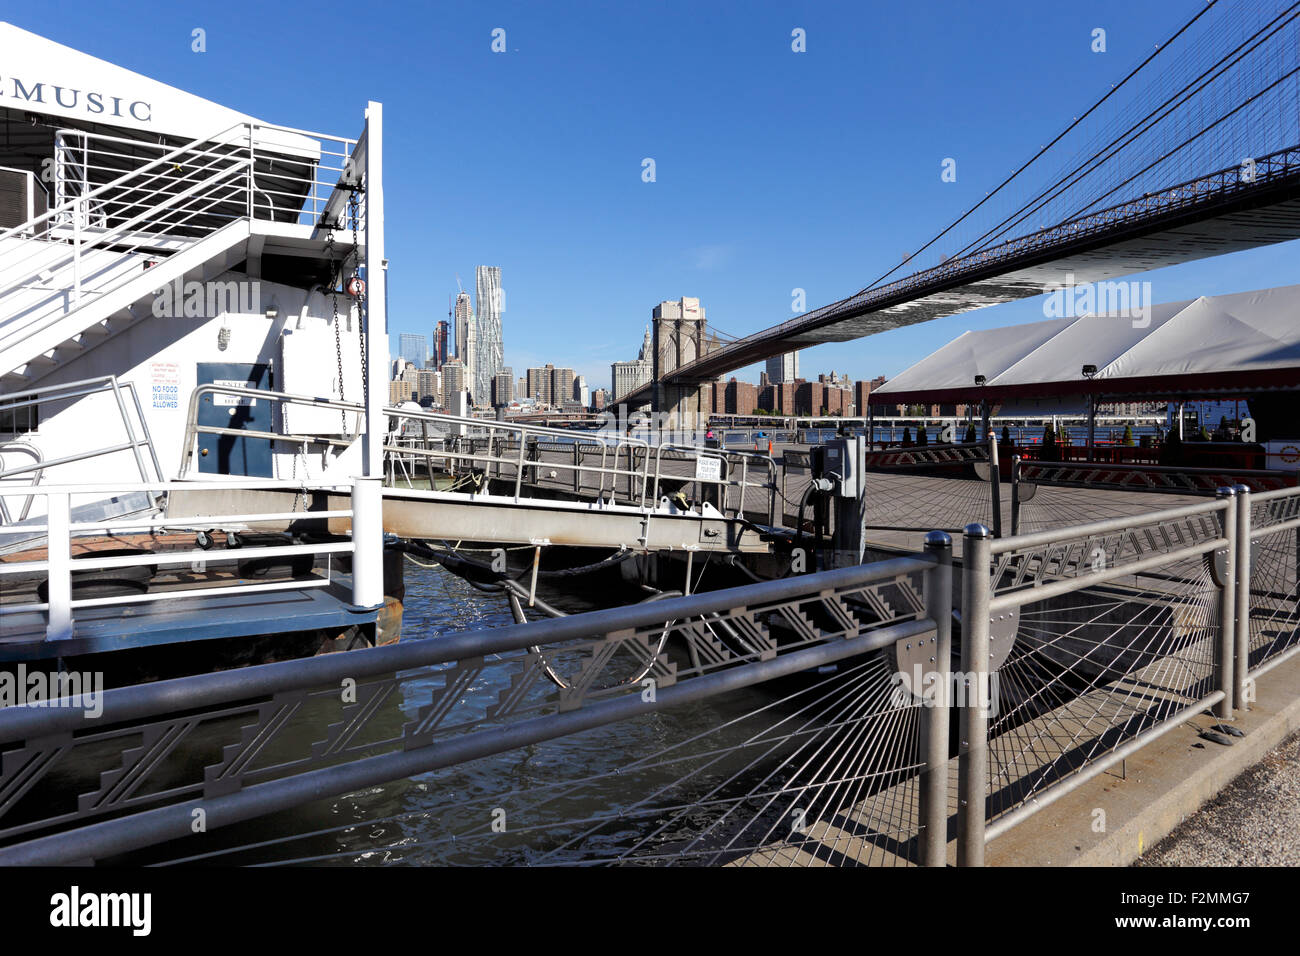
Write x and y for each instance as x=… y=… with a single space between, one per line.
x=651 y=768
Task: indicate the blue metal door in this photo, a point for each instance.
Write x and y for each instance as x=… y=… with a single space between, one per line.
x=235 y=454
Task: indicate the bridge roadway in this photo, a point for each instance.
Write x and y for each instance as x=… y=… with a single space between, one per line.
x=1208 y=216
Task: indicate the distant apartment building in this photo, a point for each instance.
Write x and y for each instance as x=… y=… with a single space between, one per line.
x=549 y=385
x=581 y=392
x=837 y=396
x=428 y=386
x=453 y=381
x=402 y=387
x=399 y=390
x=809 y=398
x=503 y=387
x=537 y=384
x=741 y=397
x=861 y=393
x=778 y=399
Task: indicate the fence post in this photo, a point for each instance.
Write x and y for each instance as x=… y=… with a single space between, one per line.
x=973 y=754
x=933 y=809
x=367 y=542
x=995 y=481
x=1227 y=595
x=1015 y=495
x=1241 y=666
x=58 y=536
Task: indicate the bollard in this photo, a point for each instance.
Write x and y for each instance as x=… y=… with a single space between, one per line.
x=1241 y=603
x=933 y=794
x=58 y=537
x=1227 y=595
x=973 y=752
x=367 y=542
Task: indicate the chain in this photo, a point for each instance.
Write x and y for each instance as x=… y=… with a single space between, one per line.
x=354 y=207
x=334 y=299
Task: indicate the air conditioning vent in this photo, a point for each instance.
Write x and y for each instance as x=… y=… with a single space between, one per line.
x=22 y=198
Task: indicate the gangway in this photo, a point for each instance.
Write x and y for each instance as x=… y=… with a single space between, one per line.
x=508 y=483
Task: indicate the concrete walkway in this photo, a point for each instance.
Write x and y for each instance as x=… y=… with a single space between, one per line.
x=1255 y=821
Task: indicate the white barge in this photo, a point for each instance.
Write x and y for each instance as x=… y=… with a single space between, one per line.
x=152 y=242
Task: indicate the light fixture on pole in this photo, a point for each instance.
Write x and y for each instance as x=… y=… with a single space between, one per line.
x=1090 y=372
x=980 y=380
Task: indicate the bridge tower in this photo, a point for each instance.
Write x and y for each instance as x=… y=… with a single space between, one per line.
x=680 y=336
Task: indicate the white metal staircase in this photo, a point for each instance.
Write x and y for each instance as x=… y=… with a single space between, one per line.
x=90 y=267
x=40 y=337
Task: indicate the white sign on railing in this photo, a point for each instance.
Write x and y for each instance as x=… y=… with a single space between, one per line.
x=708 y=469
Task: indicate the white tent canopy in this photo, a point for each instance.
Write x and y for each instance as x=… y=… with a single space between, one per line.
x=1228 y=338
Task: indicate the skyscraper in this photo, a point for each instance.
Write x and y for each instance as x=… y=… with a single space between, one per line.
x=462 y=319
x=413 y=348
x=489 y=345
x=470 y=358
x=783 y=368
x=440 y=333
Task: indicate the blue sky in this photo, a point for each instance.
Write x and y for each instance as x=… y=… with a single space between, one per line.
x=775 y=170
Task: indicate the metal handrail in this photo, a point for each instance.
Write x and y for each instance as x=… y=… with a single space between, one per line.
x=59 y=530
x=193 y=428
x=26 y=446
x=214 y=171
x=772 y=487
x=37 y=397
x=117 y=183
x=398 y=449
x=1106 y=526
